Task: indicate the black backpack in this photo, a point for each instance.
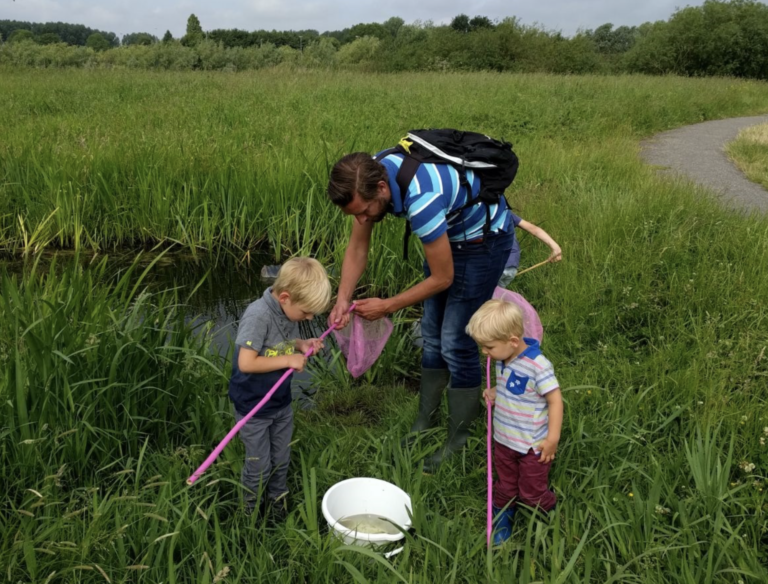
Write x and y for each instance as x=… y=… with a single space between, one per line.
x=493 y=161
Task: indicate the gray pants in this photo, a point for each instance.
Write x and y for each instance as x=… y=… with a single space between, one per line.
x=267 y=455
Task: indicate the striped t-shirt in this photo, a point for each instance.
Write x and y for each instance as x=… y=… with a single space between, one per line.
x=434 y=196
x=520 y=416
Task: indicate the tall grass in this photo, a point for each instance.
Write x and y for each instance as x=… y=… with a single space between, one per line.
x=655 y=321
x=111 y=403
x=100 y=160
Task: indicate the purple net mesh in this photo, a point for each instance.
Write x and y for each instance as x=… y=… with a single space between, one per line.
x=362 y=341
x=531 y=323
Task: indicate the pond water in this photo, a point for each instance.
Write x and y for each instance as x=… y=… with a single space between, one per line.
x=223 y=288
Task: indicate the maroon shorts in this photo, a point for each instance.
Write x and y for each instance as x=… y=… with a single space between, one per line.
x=521 y=478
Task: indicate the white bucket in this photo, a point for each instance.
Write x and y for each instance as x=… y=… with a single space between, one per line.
x=366 y=496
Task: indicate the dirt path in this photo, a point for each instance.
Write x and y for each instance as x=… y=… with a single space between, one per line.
x=698 y=153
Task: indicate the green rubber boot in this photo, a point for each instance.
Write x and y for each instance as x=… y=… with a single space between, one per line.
x=433 y=382
x=463 y=408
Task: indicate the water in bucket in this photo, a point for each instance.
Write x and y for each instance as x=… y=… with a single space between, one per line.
x=369 y=523
x=366 y=512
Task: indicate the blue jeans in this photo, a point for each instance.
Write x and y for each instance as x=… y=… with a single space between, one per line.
x=477 y=268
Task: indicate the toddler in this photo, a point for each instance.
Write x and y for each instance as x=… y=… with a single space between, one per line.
x=527 y=416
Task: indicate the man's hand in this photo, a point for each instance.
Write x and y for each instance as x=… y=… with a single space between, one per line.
x=490 y=395
x=548 y=449
x=340 y=314
x=305 y=345
x=372 y=308
x=296 y=362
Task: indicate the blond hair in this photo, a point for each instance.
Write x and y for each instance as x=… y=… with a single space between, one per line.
x=496 y=320
x=306 y=280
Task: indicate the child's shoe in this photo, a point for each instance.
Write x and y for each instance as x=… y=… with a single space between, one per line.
x=278 y=510
x=254 y=508
x=502 y=524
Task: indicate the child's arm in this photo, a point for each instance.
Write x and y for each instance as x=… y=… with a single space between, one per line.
x=549 y=444
x=539 y=233
x=249 y=361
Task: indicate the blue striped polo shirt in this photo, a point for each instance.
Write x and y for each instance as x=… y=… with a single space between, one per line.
x=434 y=196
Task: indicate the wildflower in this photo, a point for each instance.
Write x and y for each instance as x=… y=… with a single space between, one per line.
x=631 y=494
x=765 y=430
x=660 y=510
x=701 y=403
x=589 y=392
x=747 y=467
x=744 y=419
x=762 y=441
x=222 y=575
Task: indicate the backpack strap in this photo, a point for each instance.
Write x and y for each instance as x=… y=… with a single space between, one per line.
x=405 y=175
x=464 y=181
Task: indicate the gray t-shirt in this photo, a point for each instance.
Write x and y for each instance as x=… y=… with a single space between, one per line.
x=265 y=328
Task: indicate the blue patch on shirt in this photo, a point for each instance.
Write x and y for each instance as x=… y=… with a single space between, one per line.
x=516 y=385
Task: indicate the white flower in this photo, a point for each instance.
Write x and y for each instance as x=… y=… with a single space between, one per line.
x=747 y=467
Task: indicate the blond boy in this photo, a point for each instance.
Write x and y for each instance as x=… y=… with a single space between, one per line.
x=268 y=344
x=528 y=412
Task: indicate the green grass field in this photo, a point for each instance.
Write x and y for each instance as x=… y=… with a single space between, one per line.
x=656 y=322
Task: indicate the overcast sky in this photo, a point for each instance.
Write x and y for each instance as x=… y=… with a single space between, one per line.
x=157 y=16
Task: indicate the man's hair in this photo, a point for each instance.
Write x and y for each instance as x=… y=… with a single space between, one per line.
x=306 y=280
x=355 y=173
x=496 y=320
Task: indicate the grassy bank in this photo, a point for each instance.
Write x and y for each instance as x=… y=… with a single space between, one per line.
x=750 y=153
x=655 y=321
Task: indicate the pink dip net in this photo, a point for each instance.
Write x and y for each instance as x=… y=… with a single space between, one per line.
x=531 y=324
x=362 y=341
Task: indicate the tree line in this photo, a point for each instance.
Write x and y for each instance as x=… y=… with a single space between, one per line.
x=53 y=32
x=721 y=37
